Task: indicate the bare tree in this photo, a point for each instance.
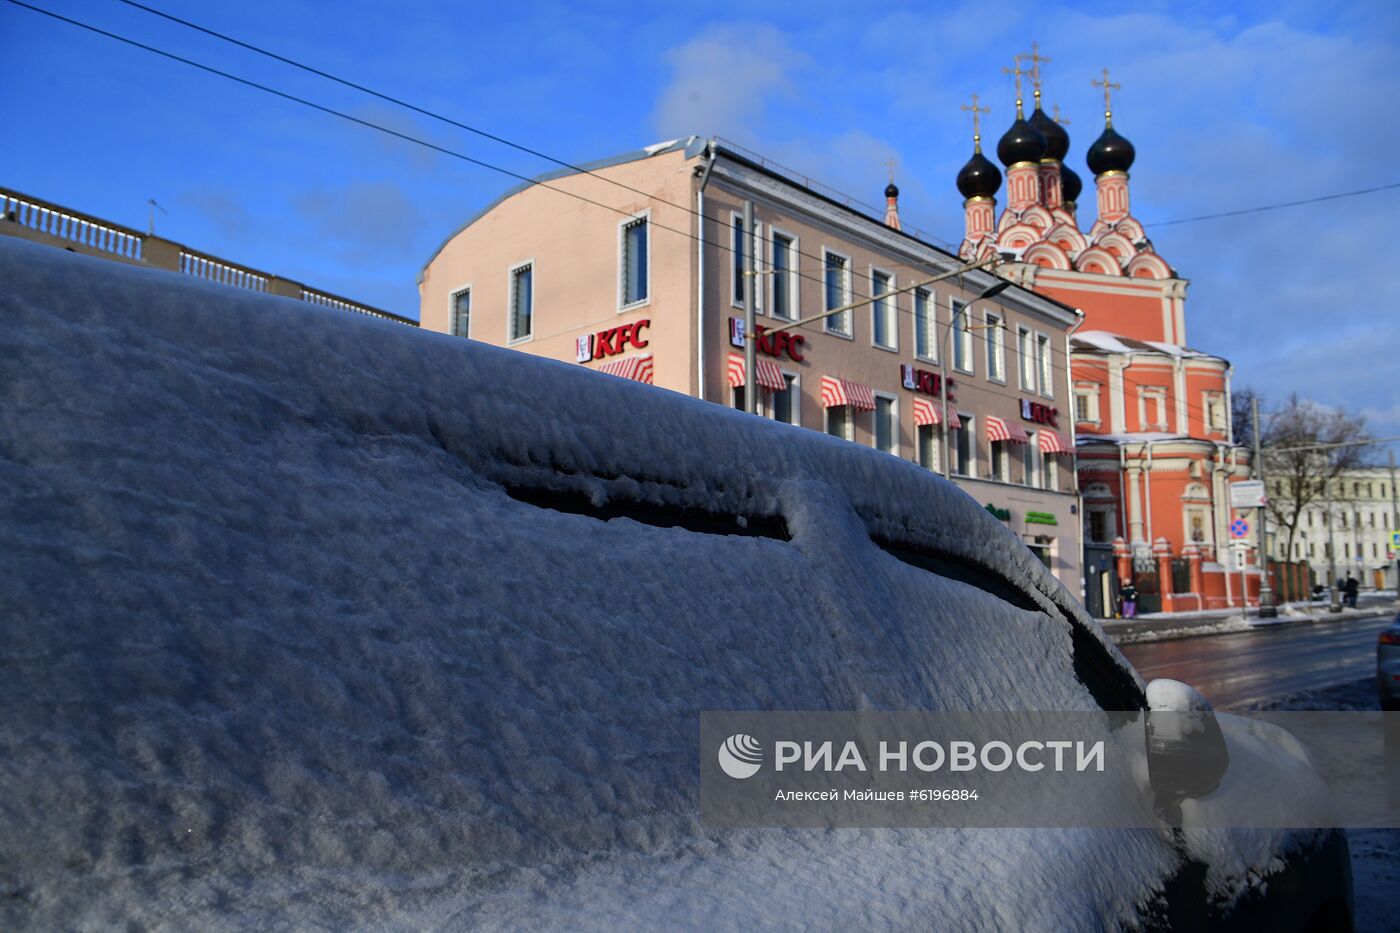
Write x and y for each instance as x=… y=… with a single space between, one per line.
x=1241 y=416
x=1299 y=477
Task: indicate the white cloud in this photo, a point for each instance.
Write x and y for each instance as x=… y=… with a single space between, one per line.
x=723 y=79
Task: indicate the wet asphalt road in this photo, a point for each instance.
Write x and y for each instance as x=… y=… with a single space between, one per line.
x=1244 y=668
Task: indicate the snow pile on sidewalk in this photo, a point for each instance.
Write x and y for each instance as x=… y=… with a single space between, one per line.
x=278 y=648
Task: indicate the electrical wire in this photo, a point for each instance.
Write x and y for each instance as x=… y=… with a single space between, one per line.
x=369 y=124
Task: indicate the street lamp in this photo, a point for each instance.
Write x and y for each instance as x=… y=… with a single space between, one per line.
x=996 y=288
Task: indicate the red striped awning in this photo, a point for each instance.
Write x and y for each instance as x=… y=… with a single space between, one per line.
x=999 y=430
x=636 y=368
x=766 y=372
x=837 y=391
x=926 y=411
x=1052 y=442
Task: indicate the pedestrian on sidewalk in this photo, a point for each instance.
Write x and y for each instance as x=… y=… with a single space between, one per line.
x=1352 y=589
x=1128 y=594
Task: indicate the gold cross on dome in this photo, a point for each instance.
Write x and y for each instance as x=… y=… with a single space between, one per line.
x=1019 y=72
x=976 y=115
x=1063 y=121
x=1036 y=60
x=889 y=164
x=1108 y=88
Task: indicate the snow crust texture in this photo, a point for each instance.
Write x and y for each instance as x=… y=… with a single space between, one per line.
x=289 y=641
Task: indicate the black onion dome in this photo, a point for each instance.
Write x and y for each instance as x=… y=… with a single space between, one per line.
x=1056 y=139
x=979 y=178
x=1070 y=184
x=1021 y=143
x=891 y=191
x=1110 y=153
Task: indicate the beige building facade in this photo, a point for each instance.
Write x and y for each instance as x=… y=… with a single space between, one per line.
x=634 y=267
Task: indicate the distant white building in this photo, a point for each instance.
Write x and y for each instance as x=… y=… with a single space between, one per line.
x=1362 y=510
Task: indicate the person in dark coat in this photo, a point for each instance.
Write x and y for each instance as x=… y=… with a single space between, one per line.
x=1352 y=588
x=1128 y=594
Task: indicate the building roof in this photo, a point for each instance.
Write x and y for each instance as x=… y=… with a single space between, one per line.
x=1106 y=342
x=694 y=146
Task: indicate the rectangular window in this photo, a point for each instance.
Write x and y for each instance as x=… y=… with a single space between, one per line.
x=996 y=358
x=1025 y=352
x=1049 y=472
x=736 y=395
x=462 y=313
x=785 y=270
x=738 y=252
x=882 y=311
x=927 y=442
x=785 y=402
x=1152 y=408
x=1029 y=455
x=962 y=338
x=1001 y=463
x=522 y=302
x=1100 y=526
x=925 y=335
x=1047 y=363
x=838 y=421
x=635 y=275
x=960 y=445
x=886 y=428
x=838 y=290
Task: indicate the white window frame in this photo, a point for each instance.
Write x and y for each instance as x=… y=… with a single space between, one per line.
x=622 y=227
x=995 y=334
x=1045 y=365
x=1002 y=475
x=891 y=310
x=1158 y=395
x=894 y=423
x=511 y=339
x=930 y=324
x=795 y=387
x=966 y=350
x=1217 y=425
x=736 y=291
x=1030 y=461
x=850 y=432
x=933 y=432
x=452 y=309
x=1025 y=341
x=969 y=425
x=794 y=275
x=1089 y=391
x=827 y=328
x=1049 y=472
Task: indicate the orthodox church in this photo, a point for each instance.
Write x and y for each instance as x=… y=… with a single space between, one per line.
x=1151 y=414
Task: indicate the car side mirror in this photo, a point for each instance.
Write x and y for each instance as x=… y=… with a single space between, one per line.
x=1186 y=751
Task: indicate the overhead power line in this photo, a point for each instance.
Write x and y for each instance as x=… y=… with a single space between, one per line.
x=1275 y=207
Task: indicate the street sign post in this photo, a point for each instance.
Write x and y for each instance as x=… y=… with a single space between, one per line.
x=1248 y=494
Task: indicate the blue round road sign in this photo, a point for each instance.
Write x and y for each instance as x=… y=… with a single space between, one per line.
x=1239 y=528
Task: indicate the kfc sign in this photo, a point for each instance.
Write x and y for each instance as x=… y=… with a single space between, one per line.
x=769 y=342
x=611 y=342
x=921 y=380
x=1040 y=413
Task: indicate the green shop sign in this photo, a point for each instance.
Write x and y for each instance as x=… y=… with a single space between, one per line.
x=1003 y=514
x=1041 y=518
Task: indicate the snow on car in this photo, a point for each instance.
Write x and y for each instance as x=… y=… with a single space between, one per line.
x=318 y=621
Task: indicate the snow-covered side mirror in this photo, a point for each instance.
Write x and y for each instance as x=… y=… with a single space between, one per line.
x=1186 y=751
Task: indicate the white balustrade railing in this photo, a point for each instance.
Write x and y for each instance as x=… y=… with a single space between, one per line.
x=215 y=271
x=67 y=226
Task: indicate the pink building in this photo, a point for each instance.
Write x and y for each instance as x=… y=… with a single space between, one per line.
x=633 y=267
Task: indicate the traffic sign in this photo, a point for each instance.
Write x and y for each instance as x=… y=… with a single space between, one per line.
x=1239 y=528
x=1248 y=494
x=1395 y=540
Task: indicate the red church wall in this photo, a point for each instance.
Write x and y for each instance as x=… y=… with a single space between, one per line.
x=1199 y=381
x=1130 y=315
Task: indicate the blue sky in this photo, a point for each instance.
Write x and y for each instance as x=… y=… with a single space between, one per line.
x=1266 y=102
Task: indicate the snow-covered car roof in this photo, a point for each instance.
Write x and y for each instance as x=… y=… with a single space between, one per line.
x=320 y=620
